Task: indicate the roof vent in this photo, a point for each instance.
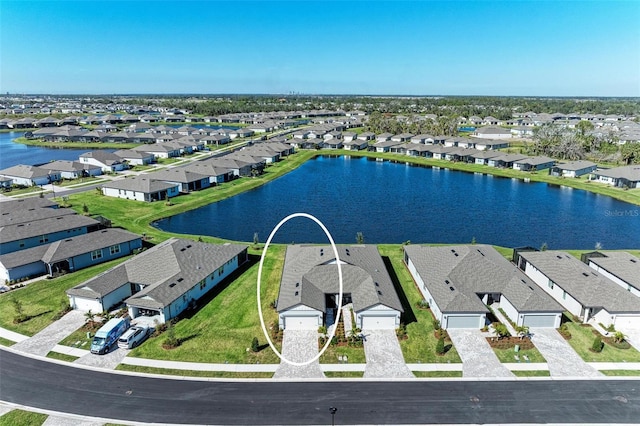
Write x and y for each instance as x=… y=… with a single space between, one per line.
x=446 y=282
x=558 y=256
x=379 y=292
x=182 y=249
x=633 y=260
x=172 y=285
x=68 y=239
x=531 y=288
x=456 y=254
x=321 y=252
x=480 y=252
x=297 y=284
x=453 y=251
x=585 y=274
x=297 y=293
x=377 y=285
x=451 y=288
x=180 y=279
x=189 y=246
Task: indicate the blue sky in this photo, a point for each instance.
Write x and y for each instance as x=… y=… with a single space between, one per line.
x=537 y=48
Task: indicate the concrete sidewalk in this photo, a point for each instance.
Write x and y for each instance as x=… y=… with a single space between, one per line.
x=44 y=341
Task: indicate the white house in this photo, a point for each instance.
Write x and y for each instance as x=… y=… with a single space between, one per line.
x=108 y=161
x=162 y=281
x=141 y=188
x=24 y=175
x=619 y=266
x=308 y=296
x=459 y=282
x=625 y=176
x=491 y=132
x=581 y=290
x=572 y=169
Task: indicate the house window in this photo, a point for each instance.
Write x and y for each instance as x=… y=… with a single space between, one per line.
x=221 y=271
x=21 y=243
x=114 y=249
x=44 y=239
x=203 y=284
x=96 y=254
x=550 y=284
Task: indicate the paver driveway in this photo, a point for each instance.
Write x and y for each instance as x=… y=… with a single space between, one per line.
x=299 y=346
x=44 y=341
x=384 y=356
x=478 y=359
x=562 y=360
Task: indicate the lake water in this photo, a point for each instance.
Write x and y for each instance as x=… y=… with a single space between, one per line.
x=12 y=154
x=394 y=202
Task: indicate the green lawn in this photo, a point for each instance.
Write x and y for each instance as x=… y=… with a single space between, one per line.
x=620 y=372
x=43 y=300
x=194 y=373
x=421 y=374
x=533 y=373
x=344 y=374
x=582 y=340
x=507 y=355
x=421 y=343
x=355 y=355
x=61 y=357
x=223 y=329
x=78 y=339
x=6 y=342
x=22 y=418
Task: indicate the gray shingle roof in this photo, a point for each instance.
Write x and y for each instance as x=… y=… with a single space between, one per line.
x=68 y=248
x=456 y=275
x=25 y=215
x=44 y=227
x=139 y=184
x=177 y=174
x=24 y=171
x=310 y=272
x=621 y=264
x=26 y=203
x=575 y=165
x=183 y=263
x=631 y=173
x=585 y=285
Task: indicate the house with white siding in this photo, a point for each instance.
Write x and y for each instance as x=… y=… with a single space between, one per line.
x=25 y=175
x=72 y=169
x=619 y=266
x=108 y=161
x=584 y=292
x=141 y=188
x=309 y=288
x=572 y=168
x=160 y=282
x=621 y=177
x=460 y=282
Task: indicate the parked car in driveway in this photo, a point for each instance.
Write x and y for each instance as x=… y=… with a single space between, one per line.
x=133 y=337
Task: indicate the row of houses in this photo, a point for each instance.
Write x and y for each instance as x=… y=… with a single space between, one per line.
x=197 y=175
x=461 y=283
x=37 y=237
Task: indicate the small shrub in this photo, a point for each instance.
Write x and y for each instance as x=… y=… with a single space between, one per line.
x=597 y=345
x=171 y=341
x=501 y=330
x=401 y=332
x=322 y=330
x=423 y=304
x=255 y=345
x=440 y=346
x=436 y=324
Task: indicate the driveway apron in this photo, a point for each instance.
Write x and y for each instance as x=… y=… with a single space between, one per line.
x=299 y=346
x=383 y=354
x=109 y=360
x=478 y=359
x=562 y=360
x=44 y=341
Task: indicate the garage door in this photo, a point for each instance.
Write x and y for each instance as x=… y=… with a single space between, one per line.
x=464 y=321
x=627 y=321
x=83 y=304
x=378 y=322
x=539 y=321
x=301 y=323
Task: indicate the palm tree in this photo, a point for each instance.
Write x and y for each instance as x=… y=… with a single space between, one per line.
x=90 y=317
x=619 y=337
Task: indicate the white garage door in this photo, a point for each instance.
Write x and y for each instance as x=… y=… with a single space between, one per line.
x=539 y=321
x=87 y=305
x=378 y=322
x=301 y=323
x=627 y=321
x=464 y=321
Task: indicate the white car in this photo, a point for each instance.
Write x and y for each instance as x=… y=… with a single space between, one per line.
x=133 y=337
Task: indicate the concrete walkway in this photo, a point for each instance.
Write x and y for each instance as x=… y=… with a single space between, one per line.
x=478 y=359
x=68 y=421
x=496 y=311
x=299 y=346
x=44 y=341
x=384 y=356
x=562 y=360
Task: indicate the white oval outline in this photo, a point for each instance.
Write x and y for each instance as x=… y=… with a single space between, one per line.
x=335 y=252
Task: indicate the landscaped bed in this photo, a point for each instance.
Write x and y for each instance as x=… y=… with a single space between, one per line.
x=582 y=338
x=504 y=348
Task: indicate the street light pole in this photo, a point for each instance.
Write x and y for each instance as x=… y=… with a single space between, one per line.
x=333 y=410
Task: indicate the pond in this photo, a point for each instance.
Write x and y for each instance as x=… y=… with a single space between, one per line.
x=395 y=202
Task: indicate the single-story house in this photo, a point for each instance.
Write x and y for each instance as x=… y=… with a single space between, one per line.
x=621 y=177
x=402 y=137
x=30 y=175
x=483 y=157
x=37 y=232
x=162 y=281
x=422 y=138
x=619 y=266
x=505 y=160
x=355 y=144
x=459 y=282
x=187 y=180
x=13 y=215
x=581 y=290
x=141 y=188
x=383 y=137
x=135 y=158
x=491 y=132
x=573 y=168
x=5 y=182
x=217 y=175
x=108 y=161
x=530 y=164
x=384 y=146
x=484 y=145
x=69 y=254
x=72 y=169
x=367 y=136
x=160 y=150
x=309 y=289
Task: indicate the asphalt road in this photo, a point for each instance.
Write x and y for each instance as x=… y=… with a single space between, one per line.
x=51 y=386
